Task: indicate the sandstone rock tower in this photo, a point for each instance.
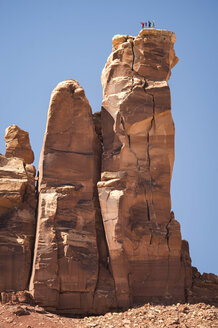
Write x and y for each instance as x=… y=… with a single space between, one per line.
x=66 y=264
x=144 y=239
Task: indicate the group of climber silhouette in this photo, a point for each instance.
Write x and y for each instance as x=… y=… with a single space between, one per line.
x=147 y=24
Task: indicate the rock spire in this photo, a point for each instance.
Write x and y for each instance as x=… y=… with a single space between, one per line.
x=99 y=233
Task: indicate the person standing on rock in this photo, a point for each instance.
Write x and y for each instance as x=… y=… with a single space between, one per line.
x=149 y=24
x=146 y=24
x=153 y=25
x=143 y=25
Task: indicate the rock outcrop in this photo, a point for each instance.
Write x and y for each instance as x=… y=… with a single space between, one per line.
x=18 y=144
x=17 y=220
x=143 y=237
x=106 y=236
x=204 y=288
x=67 y=262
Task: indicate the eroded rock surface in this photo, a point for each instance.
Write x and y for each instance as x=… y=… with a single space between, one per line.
x=67 y=262
x=204 y=288
x=143 y=237
x=17 y=222
x=18 y=144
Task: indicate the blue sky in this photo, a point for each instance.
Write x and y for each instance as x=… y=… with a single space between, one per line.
x=46 y=41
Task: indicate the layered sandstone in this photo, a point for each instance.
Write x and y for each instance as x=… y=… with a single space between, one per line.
x=17 y=221
x=143 y=237
x=67 y=262
x=18 y=144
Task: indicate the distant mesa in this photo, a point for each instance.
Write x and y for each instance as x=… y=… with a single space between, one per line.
x=98 y=233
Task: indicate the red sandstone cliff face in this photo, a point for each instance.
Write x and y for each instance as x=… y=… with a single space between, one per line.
x=106 y=237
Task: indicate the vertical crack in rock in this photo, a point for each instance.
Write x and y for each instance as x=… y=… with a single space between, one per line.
x=105 y=276
x=133 y=62
x=133 y=55
x=35 y=225
x=100 y=232
x=129 y=140
x=153 y=117
x=148 y=143
x=148 y=155
x=59 y=253
x=168 y=233
x=145 y=84
x=167 y=239
x=148 y=210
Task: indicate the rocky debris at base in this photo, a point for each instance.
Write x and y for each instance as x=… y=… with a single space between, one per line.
x=175 y=316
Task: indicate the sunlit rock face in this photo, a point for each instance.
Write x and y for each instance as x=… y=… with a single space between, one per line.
x=67 y=263
x=18 y=144
x=17 y=211
x=143 y=237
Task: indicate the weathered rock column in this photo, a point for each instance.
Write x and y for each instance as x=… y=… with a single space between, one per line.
x=66 y=265
x=144 y=239
x=17 y=211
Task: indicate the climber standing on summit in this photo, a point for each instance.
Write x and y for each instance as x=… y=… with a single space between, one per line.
x=143 y=25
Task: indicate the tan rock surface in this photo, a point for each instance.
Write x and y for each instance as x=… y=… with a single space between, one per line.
x=18 y=144
x=67 y=263
x=17 y=222
x=144 y=239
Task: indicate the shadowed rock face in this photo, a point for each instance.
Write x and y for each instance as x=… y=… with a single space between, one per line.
x=17 y=218
x=204 y=288
x=66 y=265
x=144 y=239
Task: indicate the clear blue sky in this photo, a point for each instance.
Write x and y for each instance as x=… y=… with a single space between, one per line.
x=43 y=42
